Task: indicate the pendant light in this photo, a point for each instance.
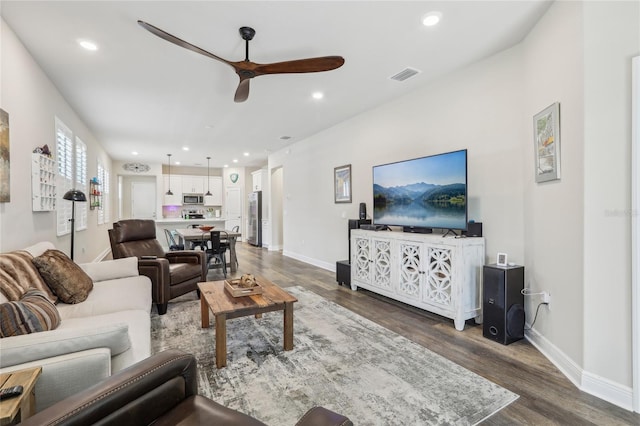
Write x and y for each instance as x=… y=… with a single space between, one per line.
x=169 y=198
x=208 y=197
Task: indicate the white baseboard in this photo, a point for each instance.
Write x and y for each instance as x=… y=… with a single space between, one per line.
x=320 y=264
x=102 y=255
x=605 y=389
x=275 y=247
x=613 y=392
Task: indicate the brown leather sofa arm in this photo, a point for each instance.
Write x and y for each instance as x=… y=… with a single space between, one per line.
x=160 y=390
x=135 y=396
x=186 y=256
x=320 y=416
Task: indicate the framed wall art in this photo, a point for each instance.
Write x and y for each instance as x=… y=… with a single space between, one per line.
x=342 y=184
x=546 y=135
x=5 y=184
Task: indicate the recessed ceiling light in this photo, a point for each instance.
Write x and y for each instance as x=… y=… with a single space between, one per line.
x=134 y=153
x=185 y=148
x=431 y=19
x=235 y=160
x=226 y=165
x=317 y=95
x=177 y=162
x=88 y=45
x=246 y=154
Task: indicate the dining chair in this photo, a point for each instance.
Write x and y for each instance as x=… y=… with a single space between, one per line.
x=236 y=229
x=215 y=249
x=195 y=244
x=171 y=241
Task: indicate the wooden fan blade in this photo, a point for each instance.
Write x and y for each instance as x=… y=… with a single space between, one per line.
x=175 y=40
x=324 y=63
x=242 y=92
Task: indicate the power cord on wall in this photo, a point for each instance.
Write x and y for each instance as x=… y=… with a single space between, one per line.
x=536 y=316
x=527 y=292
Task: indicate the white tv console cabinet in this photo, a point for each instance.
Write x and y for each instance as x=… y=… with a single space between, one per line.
x=439 y=274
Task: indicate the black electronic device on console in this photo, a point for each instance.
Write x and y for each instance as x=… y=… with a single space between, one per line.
x=374 y=227
x=363 y=211
x=474 y=229
x=417 y=230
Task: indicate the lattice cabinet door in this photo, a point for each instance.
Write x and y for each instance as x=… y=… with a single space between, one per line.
x=411 y=271
x=381 y=265
x=438 y=288
x=361 y=262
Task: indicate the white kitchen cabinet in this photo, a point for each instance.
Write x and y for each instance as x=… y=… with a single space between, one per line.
x=259 y=180
x=175 y=184
x=193 y=184
x=440 y=275
x=215 y=187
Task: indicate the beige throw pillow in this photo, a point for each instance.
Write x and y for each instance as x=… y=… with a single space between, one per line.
x=67 y=280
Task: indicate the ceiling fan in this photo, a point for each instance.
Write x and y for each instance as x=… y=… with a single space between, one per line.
x=246 y=69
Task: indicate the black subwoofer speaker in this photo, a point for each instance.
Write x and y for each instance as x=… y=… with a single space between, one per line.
x=503 y=303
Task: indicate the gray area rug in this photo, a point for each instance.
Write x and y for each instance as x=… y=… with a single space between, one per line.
x=340 y=360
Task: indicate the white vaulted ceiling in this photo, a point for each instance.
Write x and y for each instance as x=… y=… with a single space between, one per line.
x=140 y=93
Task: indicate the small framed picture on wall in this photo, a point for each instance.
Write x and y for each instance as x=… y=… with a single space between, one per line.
x=342 y=184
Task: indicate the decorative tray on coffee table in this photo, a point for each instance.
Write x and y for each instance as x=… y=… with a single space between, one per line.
x=234 y=289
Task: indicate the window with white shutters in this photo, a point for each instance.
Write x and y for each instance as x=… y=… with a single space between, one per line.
x=64 y=153
x=81 y=183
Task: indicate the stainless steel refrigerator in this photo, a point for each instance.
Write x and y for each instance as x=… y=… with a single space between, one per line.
x=254 y=231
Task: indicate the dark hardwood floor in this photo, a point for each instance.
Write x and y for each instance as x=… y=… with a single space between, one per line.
x=547 y=397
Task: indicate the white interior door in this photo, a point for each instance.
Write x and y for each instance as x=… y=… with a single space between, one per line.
x=233 y=206
x=143 y=200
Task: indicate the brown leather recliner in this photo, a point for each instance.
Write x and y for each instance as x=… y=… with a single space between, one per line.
x=172 y=274
x=160 y=390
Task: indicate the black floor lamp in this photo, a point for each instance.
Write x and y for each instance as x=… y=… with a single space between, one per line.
x=74 y=195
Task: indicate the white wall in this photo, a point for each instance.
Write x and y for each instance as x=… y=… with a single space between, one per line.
x=478 y=108
x=573 y=235
x=553 y=213
x=612 y=38
x=33 y=102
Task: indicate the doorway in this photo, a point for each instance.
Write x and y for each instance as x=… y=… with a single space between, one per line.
x=137 y=197
x=143 y=200
x=233 y=206
x=277 y=220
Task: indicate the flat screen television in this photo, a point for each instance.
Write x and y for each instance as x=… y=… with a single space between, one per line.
x=422 y=193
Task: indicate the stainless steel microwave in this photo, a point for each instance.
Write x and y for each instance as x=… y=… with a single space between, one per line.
x=192 y=199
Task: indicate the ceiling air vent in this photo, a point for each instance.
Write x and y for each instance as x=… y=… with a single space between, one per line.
x=405 y=74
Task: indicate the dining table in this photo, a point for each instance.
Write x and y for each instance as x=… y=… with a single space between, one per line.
x=197 y=235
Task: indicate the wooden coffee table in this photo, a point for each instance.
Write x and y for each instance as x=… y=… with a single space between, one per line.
x=214 y=297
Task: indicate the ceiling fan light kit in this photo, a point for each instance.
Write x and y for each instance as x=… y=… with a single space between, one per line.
x=246 y=69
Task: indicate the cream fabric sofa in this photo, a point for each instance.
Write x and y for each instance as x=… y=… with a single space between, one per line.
x=107 y=332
